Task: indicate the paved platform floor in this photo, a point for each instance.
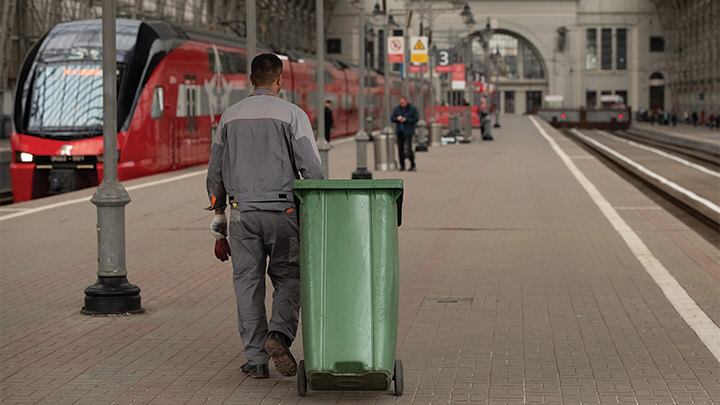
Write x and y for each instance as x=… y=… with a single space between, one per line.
x=515 y=288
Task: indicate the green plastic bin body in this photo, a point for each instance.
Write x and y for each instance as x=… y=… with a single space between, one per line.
x=349 y=281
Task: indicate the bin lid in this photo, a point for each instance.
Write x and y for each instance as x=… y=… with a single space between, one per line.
x=357 y=184
x=344 y=184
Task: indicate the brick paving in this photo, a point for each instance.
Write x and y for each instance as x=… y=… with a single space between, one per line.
x=514 y=289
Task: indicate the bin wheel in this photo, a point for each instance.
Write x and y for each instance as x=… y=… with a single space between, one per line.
x=398 y=378
x=301 y=378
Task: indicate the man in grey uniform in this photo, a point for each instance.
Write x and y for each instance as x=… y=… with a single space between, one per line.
x=260 y=145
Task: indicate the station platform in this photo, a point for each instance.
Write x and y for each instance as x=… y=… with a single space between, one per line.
x=530 y=273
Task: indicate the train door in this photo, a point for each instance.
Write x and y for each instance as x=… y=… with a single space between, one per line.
x=350 y=78
x=162 y=124
x=189 y=132
x=334 y=90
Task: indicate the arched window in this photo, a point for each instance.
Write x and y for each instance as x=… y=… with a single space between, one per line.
x=511 y=57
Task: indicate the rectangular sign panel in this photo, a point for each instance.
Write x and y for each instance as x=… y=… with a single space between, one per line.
x=396 y=48
x=458 y=76
x=416 y=68
x=419 y=49
x=443 y=60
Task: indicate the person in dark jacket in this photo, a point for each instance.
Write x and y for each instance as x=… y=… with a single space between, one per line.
x=329 y=121
x=405 y=116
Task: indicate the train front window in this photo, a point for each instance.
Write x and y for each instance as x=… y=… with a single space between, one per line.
x=67 y=98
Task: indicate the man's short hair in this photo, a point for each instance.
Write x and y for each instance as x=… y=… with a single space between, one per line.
x=265 y=69
x=403 y=98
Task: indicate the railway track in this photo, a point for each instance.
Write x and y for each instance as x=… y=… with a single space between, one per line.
x=685 y=172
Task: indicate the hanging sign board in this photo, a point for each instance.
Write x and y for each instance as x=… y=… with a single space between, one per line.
x=443 y=61
x=396 y=48
x=419 y=49
x=458 y=76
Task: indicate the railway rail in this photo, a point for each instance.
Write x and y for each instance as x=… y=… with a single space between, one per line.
x=685 y=172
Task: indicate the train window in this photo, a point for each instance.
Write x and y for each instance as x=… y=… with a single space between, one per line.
x=158 y=103
x=329 y=78
x=211 y=60
x=232 y=62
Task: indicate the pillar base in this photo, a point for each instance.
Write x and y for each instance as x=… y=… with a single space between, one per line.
x=112 y=296
x=362 y=173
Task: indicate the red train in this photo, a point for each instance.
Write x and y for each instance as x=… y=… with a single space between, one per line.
x=173 y=85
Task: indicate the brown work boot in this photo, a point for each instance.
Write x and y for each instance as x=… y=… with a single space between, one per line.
x=255 y=371
x=277 y=347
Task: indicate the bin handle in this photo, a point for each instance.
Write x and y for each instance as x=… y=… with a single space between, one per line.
x=399 y=202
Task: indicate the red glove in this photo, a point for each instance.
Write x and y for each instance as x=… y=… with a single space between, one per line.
x=222 y=249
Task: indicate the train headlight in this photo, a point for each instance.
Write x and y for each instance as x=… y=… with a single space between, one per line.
x=26 y=157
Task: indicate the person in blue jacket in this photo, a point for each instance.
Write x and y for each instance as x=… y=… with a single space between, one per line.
x=405 y=116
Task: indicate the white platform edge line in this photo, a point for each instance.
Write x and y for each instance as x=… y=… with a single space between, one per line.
x=701 y=324
x=662 y=153
x=30 y=211
x=709 y=204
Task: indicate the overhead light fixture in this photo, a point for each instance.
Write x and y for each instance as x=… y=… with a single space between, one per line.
x=377 y=10
x=391 y=21
x=466 y=12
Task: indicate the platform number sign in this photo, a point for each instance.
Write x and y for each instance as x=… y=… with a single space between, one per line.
x=444 y=59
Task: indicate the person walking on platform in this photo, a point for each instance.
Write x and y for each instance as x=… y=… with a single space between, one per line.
x=405 y=116
x=260 y=145
x=329 y=121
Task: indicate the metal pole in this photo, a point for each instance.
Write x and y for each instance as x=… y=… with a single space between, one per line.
x=112 y=293
x=431 y=69
x=361 y=138
x=386 y=74
x=250 y=34
x=422 y=128
x=387 y=129
x=323 y=145
x=406 y=51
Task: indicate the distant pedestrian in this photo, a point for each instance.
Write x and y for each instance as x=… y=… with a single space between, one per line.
x=686 y=117
x=260 y=145
x=674 y=119
x=694 y=118
x=405 y=116
x=717 y=122
x=329 y=121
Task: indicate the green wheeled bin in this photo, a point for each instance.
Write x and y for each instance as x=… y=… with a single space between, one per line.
x=349 y=284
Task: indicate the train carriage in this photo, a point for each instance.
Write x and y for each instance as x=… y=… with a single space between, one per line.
x=173 y=85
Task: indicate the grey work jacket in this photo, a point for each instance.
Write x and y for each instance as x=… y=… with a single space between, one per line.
x=250 y=164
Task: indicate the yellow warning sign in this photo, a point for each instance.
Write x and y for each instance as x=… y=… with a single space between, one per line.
x=418 y=58
x=418 y=52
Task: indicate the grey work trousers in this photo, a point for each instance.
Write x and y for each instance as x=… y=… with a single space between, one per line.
x=255 y=236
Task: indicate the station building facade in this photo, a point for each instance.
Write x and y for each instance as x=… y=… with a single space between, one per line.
x=577 y=49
